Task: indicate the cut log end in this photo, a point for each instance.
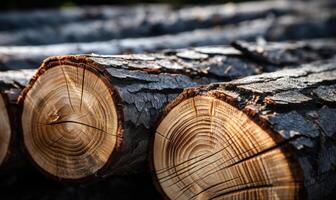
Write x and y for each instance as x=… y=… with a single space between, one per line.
x=5 y=130
x=70 y=122
x=205 y=148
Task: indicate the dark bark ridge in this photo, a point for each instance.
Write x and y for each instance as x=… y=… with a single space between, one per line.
x=297 y=107
x=144 y=84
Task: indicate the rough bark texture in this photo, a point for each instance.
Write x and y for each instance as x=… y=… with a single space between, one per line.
x=272 y=29
x=144 y=84
x=104 y=23
x=297 y=108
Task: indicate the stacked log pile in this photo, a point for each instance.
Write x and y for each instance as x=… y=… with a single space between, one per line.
x=233 y=101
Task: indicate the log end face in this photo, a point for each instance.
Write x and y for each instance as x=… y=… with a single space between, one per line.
x=207 y=148
x=5 y=130
x=70 y=122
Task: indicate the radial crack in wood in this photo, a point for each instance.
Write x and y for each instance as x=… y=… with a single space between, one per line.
x=71 y=122
x=268 y=136
x=205 y=149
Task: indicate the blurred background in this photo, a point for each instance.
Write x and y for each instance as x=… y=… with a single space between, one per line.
x=32 y=30
x=22 y=4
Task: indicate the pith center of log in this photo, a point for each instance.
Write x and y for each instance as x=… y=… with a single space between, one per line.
x=5 y=130
x=205 y=148
x=69 y=122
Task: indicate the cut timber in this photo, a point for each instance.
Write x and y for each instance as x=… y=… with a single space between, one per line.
x=74 y=128
x=5 y=130
x=94 y=117
x=10 y=87
x=269 y=136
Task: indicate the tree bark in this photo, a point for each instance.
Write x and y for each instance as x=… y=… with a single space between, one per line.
x=273 y=29
x=106 y=23
x=264 y=136
x=104 y=107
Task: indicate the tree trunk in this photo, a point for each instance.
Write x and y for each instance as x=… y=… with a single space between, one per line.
x=5 y=129
x=16 y=173
x=106 y=23
x=273 y=29
x=11 y=84
x=87 y=117
x=260 y=137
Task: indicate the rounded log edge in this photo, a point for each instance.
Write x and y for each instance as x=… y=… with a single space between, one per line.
x=5 y=130
x=85 y=64
x=286 y=149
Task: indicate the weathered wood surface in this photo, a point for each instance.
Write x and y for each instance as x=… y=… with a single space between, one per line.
x=296 y=107
x=143 y=84
x=106 y=23
x=272 y=29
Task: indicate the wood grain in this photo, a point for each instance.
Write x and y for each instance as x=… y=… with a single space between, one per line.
x=5 y=130
x=70 y=128
x=267 y=136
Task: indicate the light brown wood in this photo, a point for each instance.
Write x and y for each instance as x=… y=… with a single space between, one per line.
x=5 y=130
x=204 y=148
x=70 y=122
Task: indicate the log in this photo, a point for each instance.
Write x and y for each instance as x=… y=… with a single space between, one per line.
x=21 y=57
x=11 y=84
x=5 y=129
x=260 y=137
x=16 y=173
x=137 y=21
x=88 y=117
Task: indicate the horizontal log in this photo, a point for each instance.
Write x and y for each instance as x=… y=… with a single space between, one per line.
x=11 y=157
x=265 y=136
x=5 y=130
x=89 y=117
x=19 y=57
x=15 y=171
x=123 y=22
